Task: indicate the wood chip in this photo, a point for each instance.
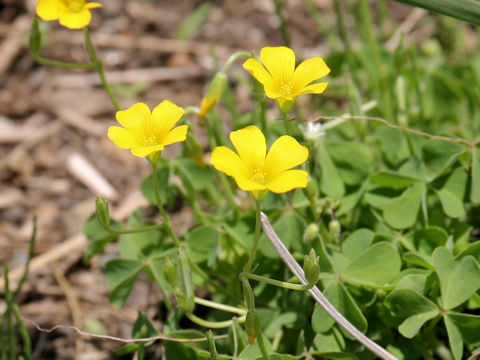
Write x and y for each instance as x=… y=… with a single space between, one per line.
x=85 y=172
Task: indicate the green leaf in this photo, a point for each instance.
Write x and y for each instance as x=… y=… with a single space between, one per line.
x=452 y=193
x=331 y=341
x=354 y=161
x=197 y=177
x=475 y=182
x=472 y=249
x=393 y=180
x=401 y=212
x=459 y=280
x=121 y=276
x=341 y=299
x=438 y=155
x=466 y=10
x=252 y=352
x=380 y=197
x=415 y=281
x=202 y=244
x=392 y=143
x=413 y=307
x=175 y=351
x=331 y=184
x=190 y=24
x=364 y=269
x=467 y=325
x=357 y=242
x=143 y=328
x=280 y=321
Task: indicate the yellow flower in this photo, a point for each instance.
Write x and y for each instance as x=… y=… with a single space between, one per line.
x=73 y=14
x=281 y=80
x=257 y=171
x=147 y=133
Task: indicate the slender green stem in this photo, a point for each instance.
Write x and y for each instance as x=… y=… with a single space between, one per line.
x=98 y=65
x=283 y=23
x=234 y=57
x=31 y=253
x=3 y=346
x=212 y=324
x=278 y=283
x=286 y=124
x=205 y=277
x=165 y=216
x=262 y=347
x=191 y=110
x=12 y=353
x=211 y=346
x=248 y=293
x=140 y=350
x=63 y=64
x=251 y=258
x=27 y=347
x=218 y=306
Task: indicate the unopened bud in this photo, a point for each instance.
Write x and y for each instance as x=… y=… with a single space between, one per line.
x=312 y=189
x=311 y=232
x=214 y=93
x=311 y=267
x=334 y=227
x=101 y=207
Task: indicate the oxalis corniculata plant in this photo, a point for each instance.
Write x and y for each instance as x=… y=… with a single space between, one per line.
x=381 y=215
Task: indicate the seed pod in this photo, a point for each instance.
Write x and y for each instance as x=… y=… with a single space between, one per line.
x=311 y=232
x=185 y=296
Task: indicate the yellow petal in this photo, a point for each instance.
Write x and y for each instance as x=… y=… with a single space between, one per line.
x=284 y=154
x=288 y=180
x=121 y=137
x=280 y=63
x=50 y=9
x=76 y=20
x=225 y=160
x=135 y=116
x=316 y=88
x=142 y=151
x=251 y=146
x=175 y=135
x=92 y=5
x=246 y=184
x=165 y=115
x=308 y=71
x=259 y=72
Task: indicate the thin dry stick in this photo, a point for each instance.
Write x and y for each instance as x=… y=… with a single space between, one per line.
x=337 y=120
x=113 y=338
x=292 y=264
x=474 y=356
x=73 y=304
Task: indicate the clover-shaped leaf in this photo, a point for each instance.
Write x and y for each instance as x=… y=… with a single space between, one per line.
x=401 y=212
x=459 y=280
x=413 y=307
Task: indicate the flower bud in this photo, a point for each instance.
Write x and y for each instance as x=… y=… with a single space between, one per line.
x=252 y=326
x=312 y=189
x=311 y=232
x=311 y=267
x=214 y=93
x=101 y=207
x=334 y=227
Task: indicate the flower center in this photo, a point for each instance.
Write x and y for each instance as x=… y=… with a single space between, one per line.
x=285 y=90
x=259 y=176
x=150 y=140
x=76 y=6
